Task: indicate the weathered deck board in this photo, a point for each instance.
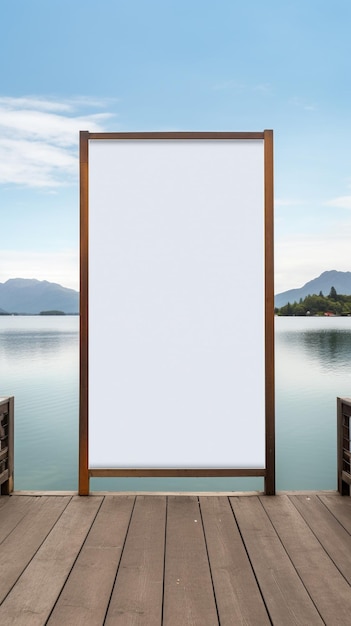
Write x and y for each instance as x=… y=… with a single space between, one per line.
x=188 y=594
x=137 y=595
x=330 y=591
x=12 y=511
x=175 y=560
x=340 y=507
x=29 y=603
x=86 y=604
x=29 y=533
x=335 y=540
x=286 y=597
x=233 y=578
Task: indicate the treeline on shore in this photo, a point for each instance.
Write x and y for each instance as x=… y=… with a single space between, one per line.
x=333 y=304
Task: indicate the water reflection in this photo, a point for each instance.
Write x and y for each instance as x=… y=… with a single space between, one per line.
x=36 y=336
x=34 y=344
x=329 y=347
x=332 y=348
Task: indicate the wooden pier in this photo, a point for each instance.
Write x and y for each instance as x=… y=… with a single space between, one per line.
x=176 y=560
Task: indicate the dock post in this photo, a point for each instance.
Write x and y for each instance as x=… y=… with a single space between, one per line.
x=6 y=445
x=344 y=445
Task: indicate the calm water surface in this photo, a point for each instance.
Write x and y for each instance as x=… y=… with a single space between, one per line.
x=39 y=366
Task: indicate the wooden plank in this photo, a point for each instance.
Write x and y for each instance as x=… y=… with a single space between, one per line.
x=4 y=500
x=238 y=597
x=327 y=587
x=346 y=477
x=177 y=135
x=22 y=543
x=335 y=540
x=8 y=486
x=13 y=510
x=174 y=472
x=137 y=595
x=340 y=507
x=286 y=598
x=31 y=600
x=188 y=593
x=6 y=441
x=345 y=406
x=4 y=476
x=87 y=592
x=4 y=453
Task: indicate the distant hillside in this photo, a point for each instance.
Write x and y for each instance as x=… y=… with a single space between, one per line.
x=31 y=296
x=340 y=280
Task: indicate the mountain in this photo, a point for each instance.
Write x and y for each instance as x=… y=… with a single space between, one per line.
x=31 y=296
x=340 y=280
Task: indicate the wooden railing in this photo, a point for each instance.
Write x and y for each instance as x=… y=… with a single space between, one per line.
x=6 y=445
x=344 y=445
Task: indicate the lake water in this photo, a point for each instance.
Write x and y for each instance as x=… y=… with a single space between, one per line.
x=39 y=365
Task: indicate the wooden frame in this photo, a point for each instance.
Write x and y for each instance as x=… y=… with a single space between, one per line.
x=268 y=471
x=344 y=445
x=6 y=445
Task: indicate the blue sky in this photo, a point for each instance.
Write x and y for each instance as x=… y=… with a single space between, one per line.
x=126 y=65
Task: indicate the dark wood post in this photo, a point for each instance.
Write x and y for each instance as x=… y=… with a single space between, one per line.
x=343 y=445
x=83 y=487
x=269 y=313
x=6 y=445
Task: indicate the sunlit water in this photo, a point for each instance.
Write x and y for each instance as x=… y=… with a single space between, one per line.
x=39 y=365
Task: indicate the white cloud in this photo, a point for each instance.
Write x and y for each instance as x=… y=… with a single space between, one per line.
x=39 y=138
x=341 y=202
x=57 y=267
x=52 y=104
x=300 y=258
x=35 y=163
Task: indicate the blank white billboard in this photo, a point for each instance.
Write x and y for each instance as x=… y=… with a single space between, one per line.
x=176 y=303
